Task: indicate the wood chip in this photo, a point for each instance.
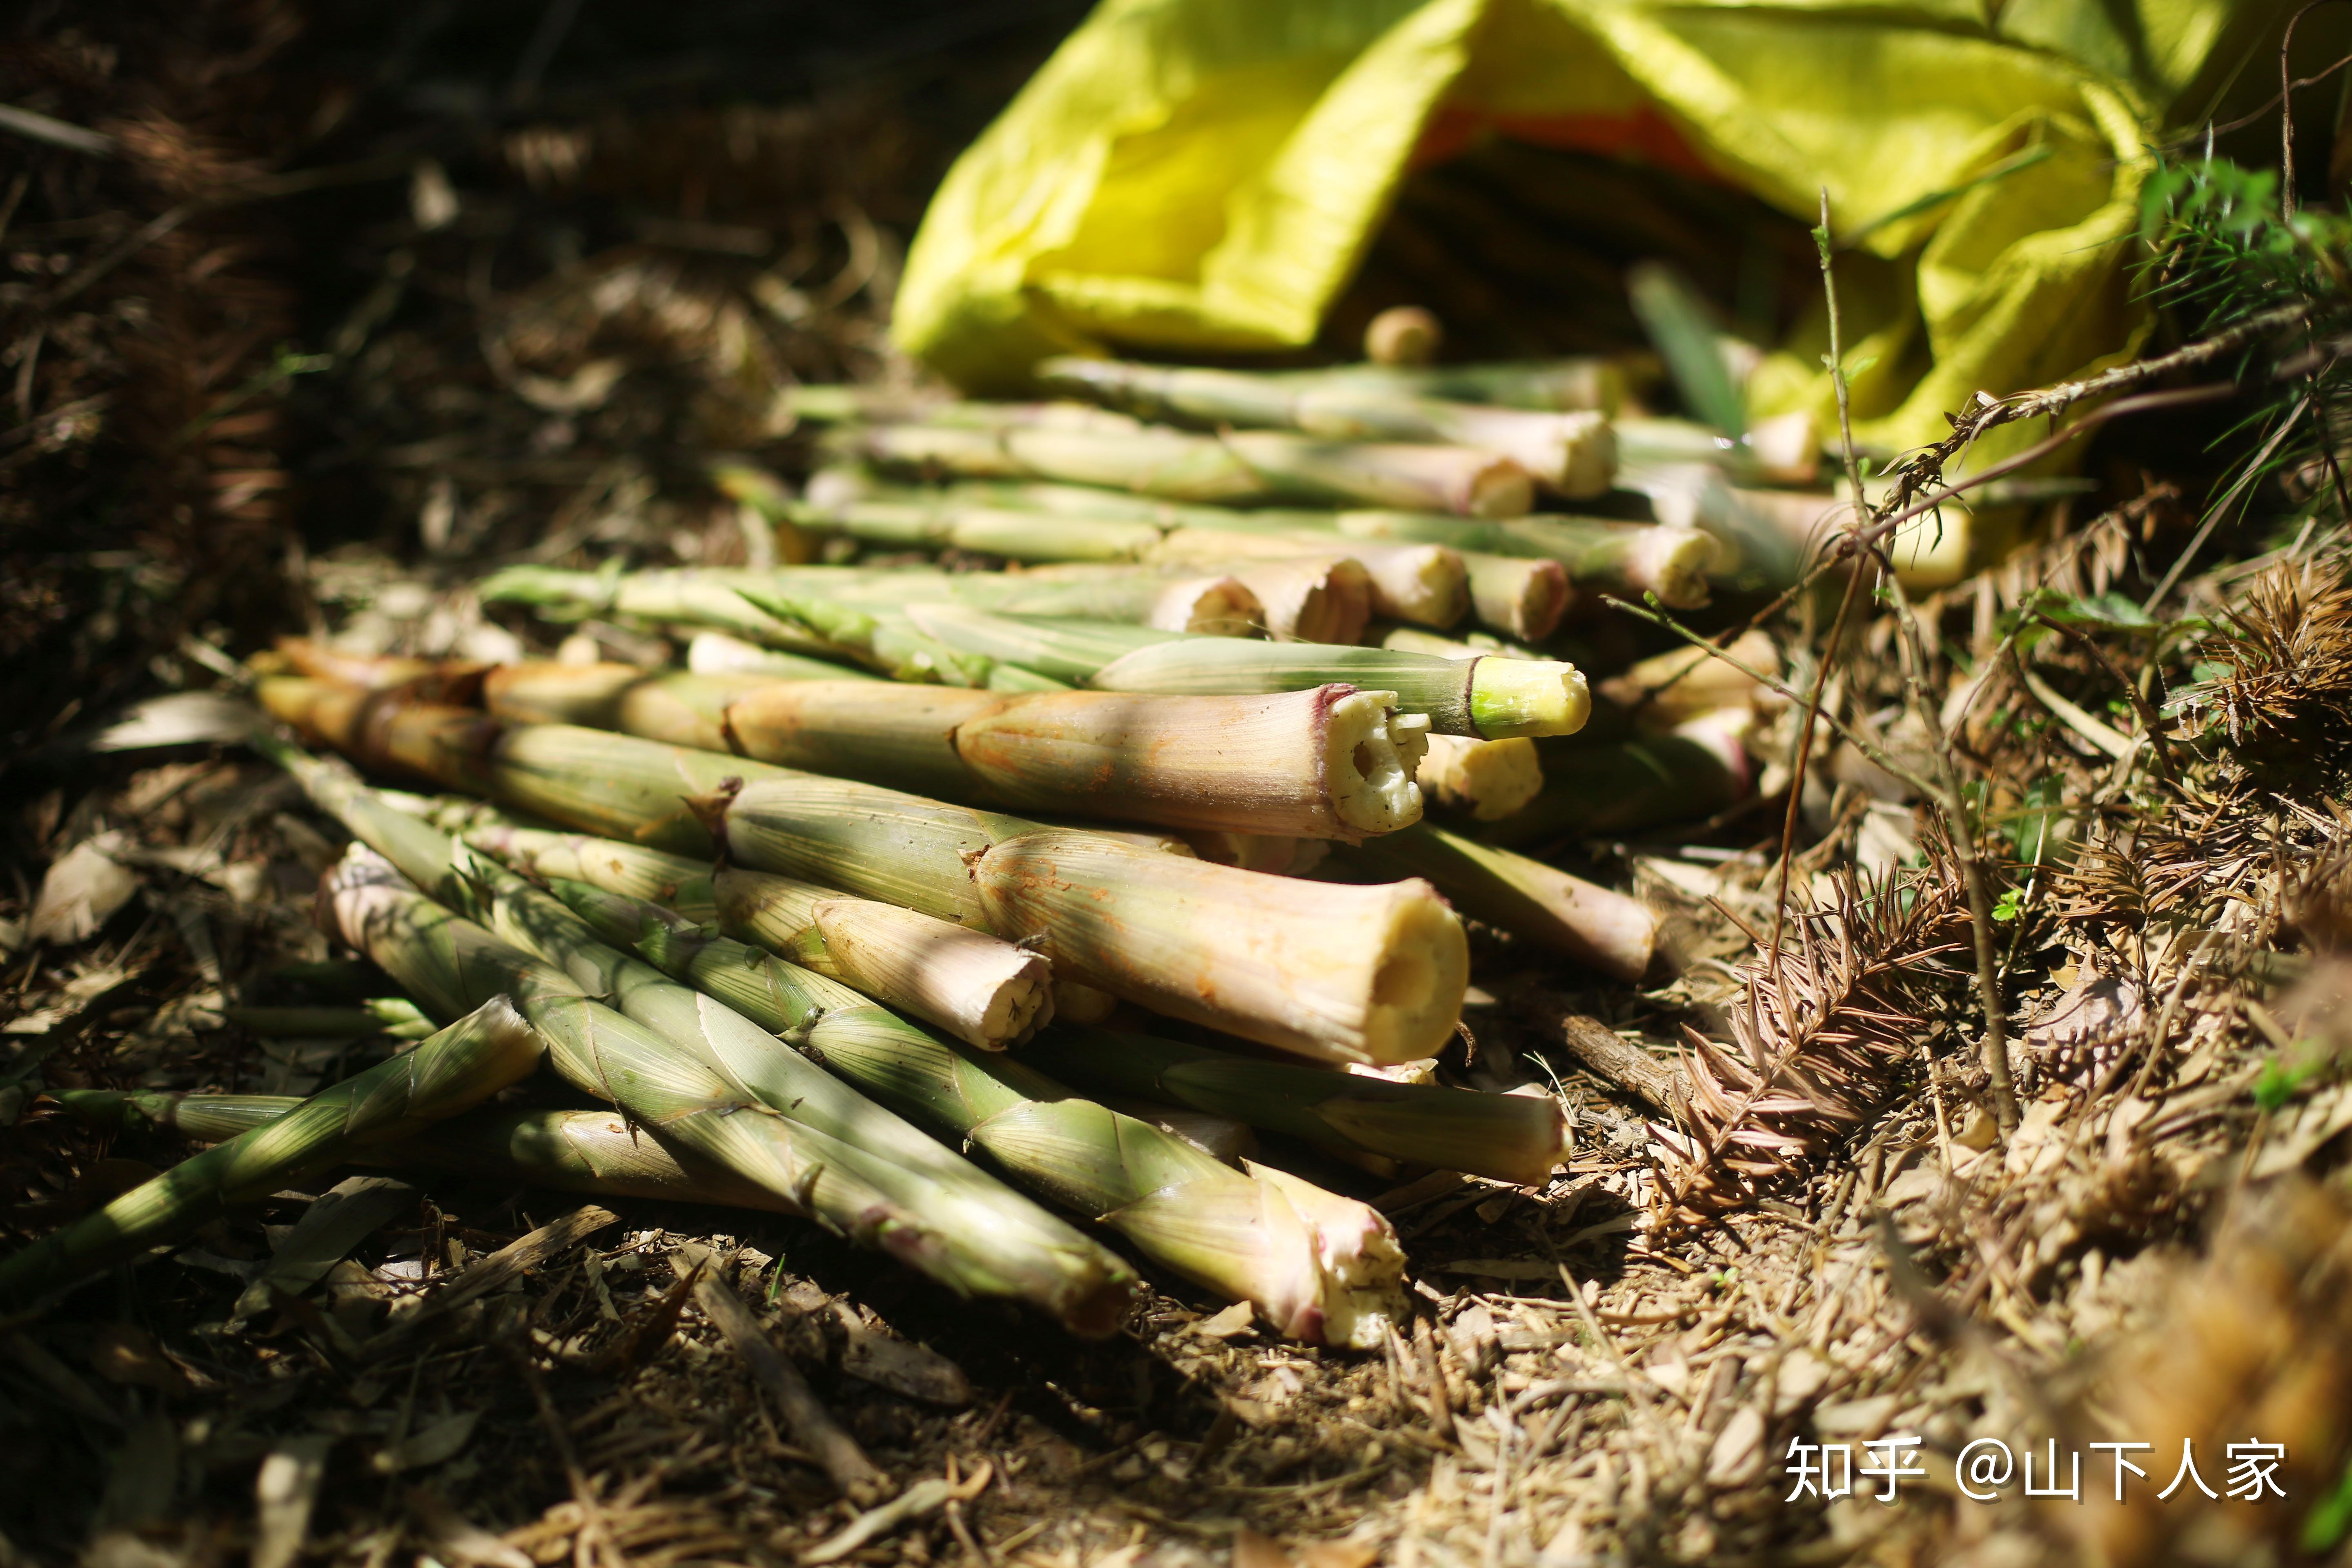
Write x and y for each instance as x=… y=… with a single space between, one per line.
x=903 y=1368
x=1624 y=1067
x=1236 y=1320
x=69 y=1001
x=811 y=1424
x=1737 y=1455
x=456 y=1540
x=508 y=1263
x=916 y=1500
x=284 y=1492
x=1252 y=1549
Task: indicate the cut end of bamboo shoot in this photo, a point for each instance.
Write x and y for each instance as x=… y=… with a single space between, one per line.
x=1210 y=606
x=1404 y=335
x=1318 y=599
x=1515 y=697
x=1489 y=780
x=1674 y=564
x=986 y=993
x=1331 y=971
x=1681 y=684
x=1424 y=583
x=1521 y=598
x=1502 y=488
x=1787 y=447
x=1373 y=783
x=1421 y=973
x=1588 y=456
x=1077 y=1003
x=1358 y=1293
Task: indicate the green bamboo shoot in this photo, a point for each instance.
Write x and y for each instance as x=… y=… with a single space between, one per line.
x=1328 y=762
x=1470 y=644
x=1688 y=775
x=1549 y=386
x=1243 y=466
x=1318 y=1267
x=1574 y=453
x=982 y=990
x=1343 y=973
x=679 y=597
x=1015 y=535
x=715 y=653
x=1503 y=1137
x=674 y=881
x=987 y=1239
x=1520 y=589
x=1615 y=934
x=489 y=1048
x=801 y=622
x=1207 y=602
x=1636 y=558
x=592 y=1152
x=1487 y=698
x=676 y=706
x=951 y=1226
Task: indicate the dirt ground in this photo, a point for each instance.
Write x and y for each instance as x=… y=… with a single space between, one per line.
x=336 y=307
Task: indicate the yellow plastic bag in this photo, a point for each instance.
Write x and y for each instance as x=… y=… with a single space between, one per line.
x=1206 y=175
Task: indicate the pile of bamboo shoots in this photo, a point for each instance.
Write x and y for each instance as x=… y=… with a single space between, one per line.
x=984 y=916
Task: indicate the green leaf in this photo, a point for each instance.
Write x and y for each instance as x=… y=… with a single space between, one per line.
x=2031 y=827
x=2103 y=611
x=2281 y=1080
x=2327 y=1524
x=1680 y=328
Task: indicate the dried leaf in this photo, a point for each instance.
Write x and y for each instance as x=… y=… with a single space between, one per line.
x=1738 y=1452
x=71 y=998
x=1230 y=1323
x=430 y=1445
x=82 y=891
x=345 y=1214
x=902 y=1368
x=179 y=719
x=2107 y=1003
x=128 y=1355
x=1337 y=1553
